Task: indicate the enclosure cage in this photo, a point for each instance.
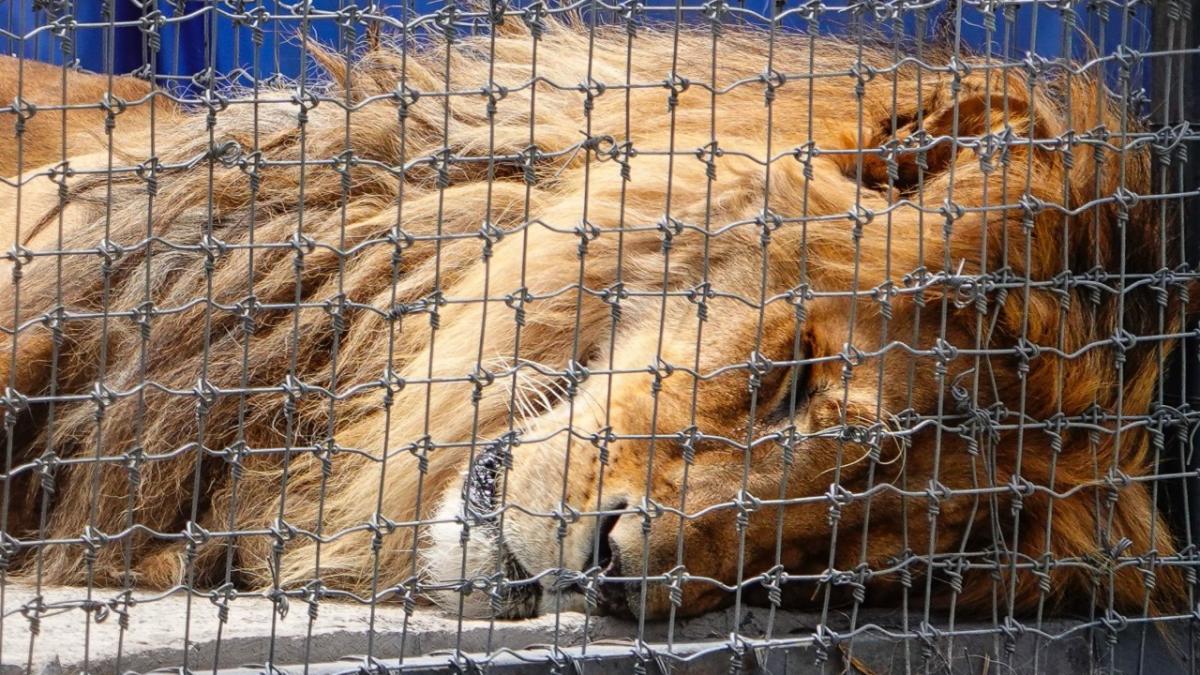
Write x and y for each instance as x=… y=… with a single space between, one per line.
x=631 y=336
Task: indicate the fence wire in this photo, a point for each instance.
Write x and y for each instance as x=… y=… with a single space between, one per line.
x=871 y=313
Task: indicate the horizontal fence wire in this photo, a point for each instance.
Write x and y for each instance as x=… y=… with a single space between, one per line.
x=880 y=311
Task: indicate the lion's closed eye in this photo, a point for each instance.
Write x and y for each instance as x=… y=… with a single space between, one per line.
x=792 y=390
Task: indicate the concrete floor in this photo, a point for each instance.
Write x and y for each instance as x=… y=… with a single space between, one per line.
x=163 y=631
x=173 y=631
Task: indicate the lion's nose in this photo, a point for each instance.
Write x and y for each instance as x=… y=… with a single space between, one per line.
x=604 y=552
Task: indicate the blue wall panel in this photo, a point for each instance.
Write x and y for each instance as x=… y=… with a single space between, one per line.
x=188 y=46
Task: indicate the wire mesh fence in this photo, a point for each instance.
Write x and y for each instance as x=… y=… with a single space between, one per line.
x=783 y=337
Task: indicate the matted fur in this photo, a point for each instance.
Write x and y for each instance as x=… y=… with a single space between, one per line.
x=335 y=494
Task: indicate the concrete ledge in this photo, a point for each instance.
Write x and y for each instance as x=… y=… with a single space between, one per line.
x=173 y=631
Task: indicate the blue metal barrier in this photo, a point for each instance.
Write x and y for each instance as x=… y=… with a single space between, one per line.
x=101 y=43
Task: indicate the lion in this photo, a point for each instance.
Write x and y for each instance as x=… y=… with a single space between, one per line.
x=575 y=317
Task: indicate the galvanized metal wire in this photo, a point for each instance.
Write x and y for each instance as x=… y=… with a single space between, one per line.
x=1154 y=75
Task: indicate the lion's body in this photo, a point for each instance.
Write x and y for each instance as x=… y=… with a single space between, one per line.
x=223 y=405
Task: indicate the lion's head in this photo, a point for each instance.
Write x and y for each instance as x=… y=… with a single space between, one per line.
x=612 y=320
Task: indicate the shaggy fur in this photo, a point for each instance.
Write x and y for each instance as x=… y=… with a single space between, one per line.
x=395 y=328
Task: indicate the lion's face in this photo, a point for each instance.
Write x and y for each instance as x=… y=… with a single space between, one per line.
x=748 y=451
x=675 y=442
x=816 y=375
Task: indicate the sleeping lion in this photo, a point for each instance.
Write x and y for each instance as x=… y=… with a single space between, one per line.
x=634 y=323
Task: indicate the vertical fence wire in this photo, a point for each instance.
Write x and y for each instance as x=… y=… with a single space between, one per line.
x=370 y=304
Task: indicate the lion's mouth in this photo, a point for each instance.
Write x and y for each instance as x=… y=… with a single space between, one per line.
x=517 y=594
x=480 y=492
